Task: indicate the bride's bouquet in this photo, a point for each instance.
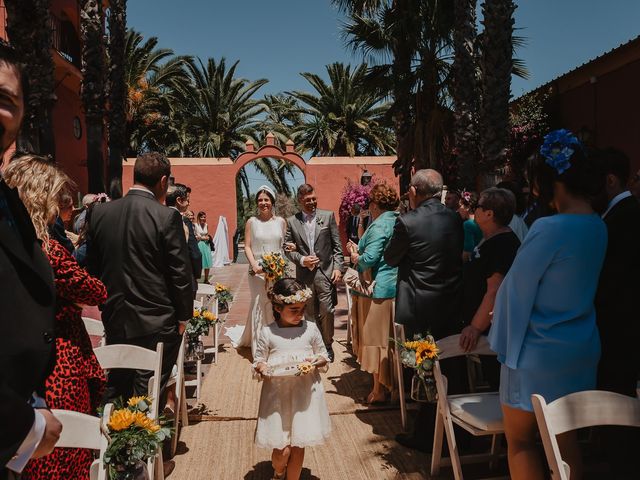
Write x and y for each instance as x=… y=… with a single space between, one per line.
x=274 y=266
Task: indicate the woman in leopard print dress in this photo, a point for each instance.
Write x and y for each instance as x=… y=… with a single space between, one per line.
x=77 y=381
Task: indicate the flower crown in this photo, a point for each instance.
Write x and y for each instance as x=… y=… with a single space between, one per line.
x=102 y=198
x=558 y=148
x=299 y=297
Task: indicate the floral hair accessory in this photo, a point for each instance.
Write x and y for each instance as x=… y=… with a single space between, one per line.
x=557 y=149
x=466 y=196
x=102 y=198
x=300 y=296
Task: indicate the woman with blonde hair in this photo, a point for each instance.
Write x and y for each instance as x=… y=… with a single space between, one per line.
x=77 y=381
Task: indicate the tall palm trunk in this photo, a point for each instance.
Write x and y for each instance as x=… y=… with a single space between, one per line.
x=29 y=31
x=402 y=98
x=497 y=66
x=93 y=70
x=465 y=91
x=117 y=95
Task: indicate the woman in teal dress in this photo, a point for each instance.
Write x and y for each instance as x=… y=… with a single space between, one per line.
x=204 y=243
x=472 y=232
x=375 y=313
x=544 y=329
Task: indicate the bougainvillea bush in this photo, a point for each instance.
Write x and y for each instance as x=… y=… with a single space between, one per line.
x=353 y=193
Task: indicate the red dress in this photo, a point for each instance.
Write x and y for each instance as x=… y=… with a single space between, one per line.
x=77 y=381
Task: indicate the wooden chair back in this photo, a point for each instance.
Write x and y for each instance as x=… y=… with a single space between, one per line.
x=580 y=410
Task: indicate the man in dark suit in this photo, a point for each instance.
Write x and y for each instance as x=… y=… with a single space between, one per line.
x=318 y=259
x=178 y=197
x=139 y=250
x=357 y=223
x=426 y=246
x=27 y=297
x=616 y=305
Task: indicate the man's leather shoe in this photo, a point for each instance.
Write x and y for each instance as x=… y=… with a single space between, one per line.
x=331 y=354
x=409 y=441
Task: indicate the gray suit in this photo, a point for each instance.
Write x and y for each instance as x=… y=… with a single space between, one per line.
x=327 y=247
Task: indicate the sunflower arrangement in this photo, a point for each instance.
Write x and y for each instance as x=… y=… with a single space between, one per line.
x=304 y=368
x=274 y=266
x=200 y=323
x=419 y=354
x=134 y=437
x=223 y=293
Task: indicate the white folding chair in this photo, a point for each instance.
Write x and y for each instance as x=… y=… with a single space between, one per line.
x=180 y=416
x=349 y=307
x=197 y=304
x=95 y=328
x=398 y=336
x=206 y=295
x=478 y=413
x=138 y=358
x=580 y=410
x=80 y=430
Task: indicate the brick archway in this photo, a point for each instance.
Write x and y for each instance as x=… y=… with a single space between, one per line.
x=270 y=150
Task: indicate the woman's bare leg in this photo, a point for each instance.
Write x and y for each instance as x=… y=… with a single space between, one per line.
x=206 y=275
x=520 y=428
x=279 y=459
x=377 y=394
x=294 y=467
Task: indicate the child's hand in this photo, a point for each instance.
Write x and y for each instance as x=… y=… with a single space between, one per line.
x=263 y=369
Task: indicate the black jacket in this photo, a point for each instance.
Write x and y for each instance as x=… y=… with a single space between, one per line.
x=27 y=300
x=194 y=251
x=138 y=250
x=426 y=246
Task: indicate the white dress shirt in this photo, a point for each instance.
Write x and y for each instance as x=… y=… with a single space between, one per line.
x=310 y=232
x=31 y=442
x=615 y=200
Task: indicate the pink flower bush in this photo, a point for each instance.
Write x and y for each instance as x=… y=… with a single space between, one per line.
x=353 y=193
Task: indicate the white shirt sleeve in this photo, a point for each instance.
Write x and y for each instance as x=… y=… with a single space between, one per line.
x=29 y=444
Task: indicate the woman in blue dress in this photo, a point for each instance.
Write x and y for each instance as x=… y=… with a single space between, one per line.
x=544 y=329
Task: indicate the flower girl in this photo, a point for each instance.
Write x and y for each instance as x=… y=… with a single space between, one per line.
x=293 y=412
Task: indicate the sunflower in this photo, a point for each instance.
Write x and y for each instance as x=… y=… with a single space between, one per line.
x=122 y=419
x=134 y=401
x=196 y=313
x=209 y=316
x=142 y=421
x=304 y=368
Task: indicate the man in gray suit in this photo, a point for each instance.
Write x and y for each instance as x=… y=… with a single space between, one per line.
x=318 y=258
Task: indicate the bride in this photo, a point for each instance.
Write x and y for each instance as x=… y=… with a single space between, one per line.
x=263 y=233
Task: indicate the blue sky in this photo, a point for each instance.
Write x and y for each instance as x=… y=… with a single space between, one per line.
x=278 y=39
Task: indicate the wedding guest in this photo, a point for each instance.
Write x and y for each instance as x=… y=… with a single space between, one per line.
x=544 y=329
x=189 y=215
x=452 y=200
x=353 y=223
x=517 y=224
x=426 y=246
x=483 y=274
x=293 y=412
x=29 y=429
x=616 y=307
x=78 y=223
x=138 y=248
x=82 y=245
x=635 y=185
x=77 y=381
x=472 y=232
x=204 y=243
x=375 y=320
x=179 y=197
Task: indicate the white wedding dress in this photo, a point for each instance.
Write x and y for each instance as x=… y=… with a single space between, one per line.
x=266 y=237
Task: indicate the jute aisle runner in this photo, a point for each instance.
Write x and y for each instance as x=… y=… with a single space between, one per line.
x=219 y=443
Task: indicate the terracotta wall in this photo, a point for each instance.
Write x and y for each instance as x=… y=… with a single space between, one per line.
x=212 y=182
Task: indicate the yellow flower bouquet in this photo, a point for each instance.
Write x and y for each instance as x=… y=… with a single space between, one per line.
x=223 y=296
x=420 y=355
x=134 y=438
x=274 y=266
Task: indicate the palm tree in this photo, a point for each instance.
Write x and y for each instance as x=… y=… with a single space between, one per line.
x=30 y=33
x=343 y=117
x=150 y=75
x=94 y=73
x=117 y=94
x=465 y=90
x=282 y=114
x=218 y=111
x=497 y=67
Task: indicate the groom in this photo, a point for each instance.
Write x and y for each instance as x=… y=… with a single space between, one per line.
x=318 y=258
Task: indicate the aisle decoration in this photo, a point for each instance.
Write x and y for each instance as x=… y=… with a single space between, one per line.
x=198 y=326
x=420 y=354
x=134 y=438
x=223 y=296
x=274 y=266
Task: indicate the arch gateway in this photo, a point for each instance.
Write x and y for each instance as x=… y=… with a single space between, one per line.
x=213 y=185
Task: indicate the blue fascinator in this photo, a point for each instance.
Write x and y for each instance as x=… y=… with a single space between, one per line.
x=557 y=149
